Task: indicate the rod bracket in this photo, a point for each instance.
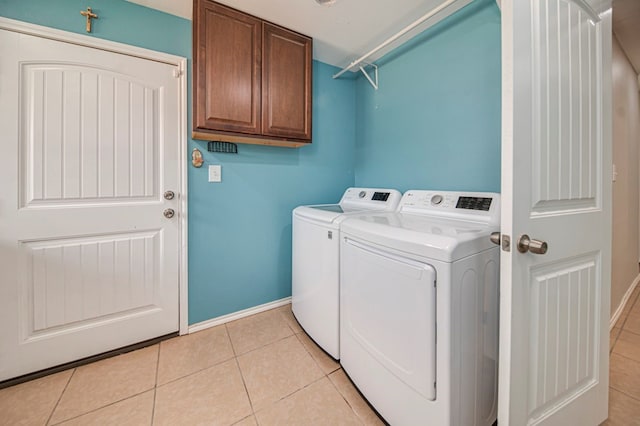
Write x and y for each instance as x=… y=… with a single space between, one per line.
x=375 y=74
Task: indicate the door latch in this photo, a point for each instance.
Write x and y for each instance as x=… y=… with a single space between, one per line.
x=496 y=238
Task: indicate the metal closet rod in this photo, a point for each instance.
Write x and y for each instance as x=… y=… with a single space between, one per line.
x=396 y=36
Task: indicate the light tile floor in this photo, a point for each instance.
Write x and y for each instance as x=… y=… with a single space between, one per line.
x=261 y=370
x=624 y=368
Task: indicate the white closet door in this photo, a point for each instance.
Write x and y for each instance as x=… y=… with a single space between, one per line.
x=556 y=187
x=90 y=142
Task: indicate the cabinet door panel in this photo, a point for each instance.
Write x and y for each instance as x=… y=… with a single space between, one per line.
x=227 y=69
x=286 y=83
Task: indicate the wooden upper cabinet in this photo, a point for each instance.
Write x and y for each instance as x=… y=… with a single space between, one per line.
x=286 y=85
x=252 y=79
x=227 y=66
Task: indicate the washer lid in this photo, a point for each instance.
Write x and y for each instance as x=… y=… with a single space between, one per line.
x=325 y=212
x=436 y=238
x=353 y=200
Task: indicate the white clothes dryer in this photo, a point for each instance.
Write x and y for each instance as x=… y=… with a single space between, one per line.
x=316 y=258
x=419 y=308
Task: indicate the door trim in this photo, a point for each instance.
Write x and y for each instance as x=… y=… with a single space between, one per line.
x=139 y=52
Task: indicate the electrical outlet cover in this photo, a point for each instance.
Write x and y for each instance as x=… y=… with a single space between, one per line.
x=215 y=173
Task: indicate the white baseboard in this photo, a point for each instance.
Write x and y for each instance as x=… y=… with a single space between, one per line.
x=616 y=315
x=237 y=315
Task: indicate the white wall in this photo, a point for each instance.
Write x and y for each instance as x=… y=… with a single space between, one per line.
x=626 y=189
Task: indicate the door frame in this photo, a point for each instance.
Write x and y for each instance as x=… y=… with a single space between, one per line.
x=152 y=55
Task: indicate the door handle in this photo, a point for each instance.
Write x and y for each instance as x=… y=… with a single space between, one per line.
x=495 y=238
x=526 y=244
x=168 y=213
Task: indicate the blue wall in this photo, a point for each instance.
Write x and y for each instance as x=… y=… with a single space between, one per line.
x=435 y=121
x=118 y=20
x=439 y=101
x=240 y=229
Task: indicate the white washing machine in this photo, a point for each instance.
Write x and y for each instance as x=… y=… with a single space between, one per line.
x=419 y=308
x=316 y=258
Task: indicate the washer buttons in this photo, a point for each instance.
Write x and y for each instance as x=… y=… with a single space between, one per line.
x=436 y=199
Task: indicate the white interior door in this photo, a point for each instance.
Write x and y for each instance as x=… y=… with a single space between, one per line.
x=556 y=187
x=90 y=142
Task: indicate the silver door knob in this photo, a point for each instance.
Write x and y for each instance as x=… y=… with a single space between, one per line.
x=495 y=238
x=168 y=195
x=168 y=213
x=526 y=244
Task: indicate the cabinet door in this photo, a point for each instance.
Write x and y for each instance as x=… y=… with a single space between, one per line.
x=286 y=83
x=227 y=61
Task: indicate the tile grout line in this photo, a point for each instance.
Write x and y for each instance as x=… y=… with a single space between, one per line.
x=624 y=392
x=155 y=386
x=625 y=357
x=294 y=334
x=55 y=407
x=235 y=357
x=344 y=397
x=153 y=407
x=628 y=331
x=282 y=318
x=100 y=408
x=200 y=370
x=196 y=371
x=297 y=333
x=263 y=346
x=291 y=394
x=286 y=320
x=312 y=357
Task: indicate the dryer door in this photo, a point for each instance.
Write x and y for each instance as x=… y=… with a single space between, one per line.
x=388 y=311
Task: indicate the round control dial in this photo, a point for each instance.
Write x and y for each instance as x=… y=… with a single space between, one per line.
x=436 y=199
x=362 y=194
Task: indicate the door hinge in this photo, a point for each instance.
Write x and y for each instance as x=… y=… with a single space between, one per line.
x=177 y=73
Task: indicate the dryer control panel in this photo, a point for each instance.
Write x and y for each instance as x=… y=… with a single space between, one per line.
x=475 y=206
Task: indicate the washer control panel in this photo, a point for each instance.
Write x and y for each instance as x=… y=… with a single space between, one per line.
x=371 y=198
x=474 y=203
x=477 y=206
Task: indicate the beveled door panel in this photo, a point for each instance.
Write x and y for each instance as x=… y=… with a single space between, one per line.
x=227 y=62
x=286 y=83
x=97 y=142
x=565 y=81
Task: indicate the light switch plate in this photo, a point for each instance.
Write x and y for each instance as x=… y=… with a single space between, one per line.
x=215 y=173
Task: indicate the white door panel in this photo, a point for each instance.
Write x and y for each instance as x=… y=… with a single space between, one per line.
x=556 y=160
x=73 y=156
x=91 y=141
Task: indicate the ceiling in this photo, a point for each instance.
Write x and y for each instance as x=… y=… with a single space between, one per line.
x=342 y=31
x=626 y=26
x=347 y=29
